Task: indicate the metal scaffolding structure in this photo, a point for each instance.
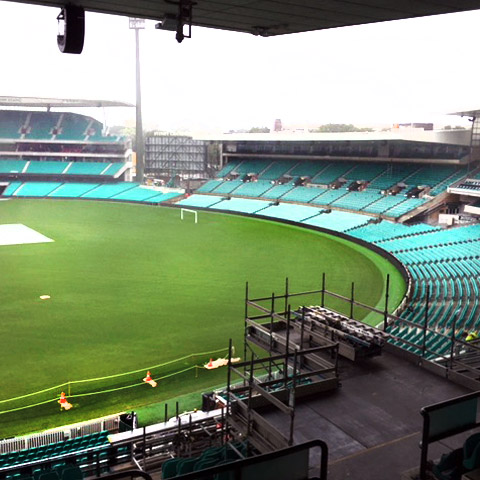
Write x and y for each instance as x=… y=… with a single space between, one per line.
x=171 y=155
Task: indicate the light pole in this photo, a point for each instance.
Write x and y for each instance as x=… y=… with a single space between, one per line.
x=138 y=24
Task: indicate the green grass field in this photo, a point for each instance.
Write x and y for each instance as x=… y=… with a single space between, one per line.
x=132 y=286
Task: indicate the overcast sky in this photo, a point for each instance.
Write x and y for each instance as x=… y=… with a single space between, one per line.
x=409 y=70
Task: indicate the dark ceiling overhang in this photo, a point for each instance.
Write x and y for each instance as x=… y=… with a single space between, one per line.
x=263 y=17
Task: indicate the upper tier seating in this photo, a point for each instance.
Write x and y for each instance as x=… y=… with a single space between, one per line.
x=11 y=122
x=376 y=178
x=329 y=196
x=252 y=166
x=303 y=194
x=308 y=168
x=73 y=127
x=357 y=200
x=433 y=175
x=332 y=172
x=59 y=168
x=394 y=174
x=209 y=186
x=277 y=169
x=384 y=203
x=365 y=171
x=51 y=126
x=278 y=191
x=253 y=189
x=41 y=125
x=227 y=168
x=404 y=207
x=227 y=187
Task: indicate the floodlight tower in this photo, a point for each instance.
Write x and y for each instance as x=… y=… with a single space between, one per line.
x=138 y=24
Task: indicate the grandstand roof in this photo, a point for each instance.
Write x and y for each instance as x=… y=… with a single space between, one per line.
x=58 y=102
x=264 y=17
x=468 y=113
x=455 y=137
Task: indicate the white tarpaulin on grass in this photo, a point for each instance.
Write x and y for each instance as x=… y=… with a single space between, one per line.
x=17 y=234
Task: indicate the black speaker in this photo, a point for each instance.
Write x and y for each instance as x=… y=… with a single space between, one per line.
x=208 y=402
x=71 y=22
x=128 y=421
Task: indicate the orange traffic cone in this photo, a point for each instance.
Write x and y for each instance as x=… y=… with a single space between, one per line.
x=64 y=402
x=148 y=379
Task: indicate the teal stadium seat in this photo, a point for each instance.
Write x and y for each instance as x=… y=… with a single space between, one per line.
x=42 y=124
x=202 y=201
x=36 y=189
x=277 y=191
x=242 y=205
x=137 y=193
x=11 y=123
x=88 y=168
x=109 y=190
x=46 y=167
x=287 y=211
x=73 y=190
x=113 y=169
x=12 y=166
x=73 y=127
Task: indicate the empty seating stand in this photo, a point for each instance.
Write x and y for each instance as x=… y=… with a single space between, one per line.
x=46 y=167
x=87 y=168
x=202 y=201
x=54 y=451
x=376 y=178
x=12 y=166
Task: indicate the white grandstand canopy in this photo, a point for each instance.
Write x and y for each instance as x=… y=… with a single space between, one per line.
x=454 y=137
x=39 y=102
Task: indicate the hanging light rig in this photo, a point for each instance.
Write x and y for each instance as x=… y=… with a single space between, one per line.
x=71 y=29
x=177 y=23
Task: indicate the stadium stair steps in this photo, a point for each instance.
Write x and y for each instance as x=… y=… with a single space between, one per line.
x=91 y=194
x=371 y=203
x=54 y=190
x=67 y=168
x=105 y=170
x=263 y=208
x=311 y=216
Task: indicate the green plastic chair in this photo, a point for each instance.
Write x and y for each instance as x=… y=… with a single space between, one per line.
x=72 y=473
x=187 y=465
x=169 y=468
